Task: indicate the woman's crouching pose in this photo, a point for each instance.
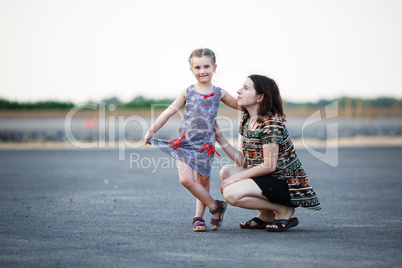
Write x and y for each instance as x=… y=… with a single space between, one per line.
x=268 y=175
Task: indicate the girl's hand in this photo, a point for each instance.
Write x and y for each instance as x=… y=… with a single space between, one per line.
x=147 y=137
x=218 y=133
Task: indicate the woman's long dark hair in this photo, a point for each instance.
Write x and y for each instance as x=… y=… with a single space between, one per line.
x=272 y=102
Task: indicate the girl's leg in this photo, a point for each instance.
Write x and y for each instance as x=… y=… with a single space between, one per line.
x=247 y=194
x=186 y=175
x=200 y=207
x=229 y=170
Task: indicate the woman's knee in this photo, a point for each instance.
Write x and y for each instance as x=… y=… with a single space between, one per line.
x=231 y=195
x=226 y=172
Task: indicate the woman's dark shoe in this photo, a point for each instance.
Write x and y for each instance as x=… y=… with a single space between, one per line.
x=260 y=224
x=282 y=225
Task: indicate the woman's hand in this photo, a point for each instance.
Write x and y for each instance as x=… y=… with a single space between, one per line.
x=225 y=183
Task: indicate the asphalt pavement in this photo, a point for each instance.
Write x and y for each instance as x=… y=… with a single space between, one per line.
x=102 y=208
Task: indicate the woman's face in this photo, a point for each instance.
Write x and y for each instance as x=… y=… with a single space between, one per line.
x=247 y=96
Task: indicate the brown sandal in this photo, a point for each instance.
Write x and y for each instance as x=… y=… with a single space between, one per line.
x=197 y=221
x=221 y=208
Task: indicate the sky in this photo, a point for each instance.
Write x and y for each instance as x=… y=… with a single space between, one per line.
x=83 y=50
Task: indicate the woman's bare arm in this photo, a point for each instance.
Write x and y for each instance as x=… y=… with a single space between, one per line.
x=269 y=165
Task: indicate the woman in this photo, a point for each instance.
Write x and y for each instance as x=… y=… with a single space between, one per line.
x=267 y=176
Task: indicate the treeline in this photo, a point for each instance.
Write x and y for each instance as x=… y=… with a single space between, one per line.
x=138 y=102
x=40 y=105
x=382 y=102
x=141 y=102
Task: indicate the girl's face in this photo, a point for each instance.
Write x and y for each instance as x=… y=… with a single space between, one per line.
x=202 y=68
x=247 y=95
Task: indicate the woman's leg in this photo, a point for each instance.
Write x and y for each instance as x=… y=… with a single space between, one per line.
x=247 y=194
x=229 y=170
x=186 y=175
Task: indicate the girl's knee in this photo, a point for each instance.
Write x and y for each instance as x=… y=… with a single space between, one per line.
x=187 y=182
x=202 y=179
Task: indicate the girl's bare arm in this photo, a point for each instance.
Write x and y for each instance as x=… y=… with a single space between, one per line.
x=229 y=100
x=235 y=154
x=165 y=115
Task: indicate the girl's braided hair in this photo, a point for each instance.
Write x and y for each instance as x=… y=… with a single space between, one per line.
x=202 y=52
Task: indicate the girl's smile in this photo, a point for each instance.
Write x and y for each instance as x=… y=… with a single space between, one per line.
x=202 y=68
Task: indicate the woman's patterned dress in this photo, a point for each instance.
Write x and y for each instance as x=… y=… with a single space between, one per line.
x=289 y=168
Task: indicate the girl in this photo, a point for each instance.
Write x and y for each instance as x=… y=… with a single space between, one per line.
x=194 y=148
x=268 y=176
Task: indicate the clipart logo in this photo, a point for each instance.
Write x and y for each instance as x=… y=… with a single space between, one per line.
x=330 y=156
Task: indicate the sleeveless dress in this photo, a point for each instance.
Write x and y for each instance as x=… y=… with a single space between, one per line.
x=195 y=145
